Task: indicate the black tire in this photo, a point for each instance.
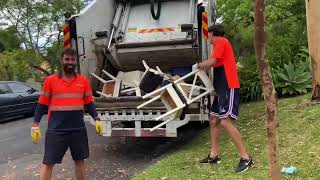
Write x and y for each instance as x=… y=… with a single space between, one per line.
x=154 y=15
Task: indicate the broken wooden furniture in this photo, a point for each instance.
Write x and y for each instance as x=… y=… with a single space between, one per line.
x=125 y=82
x=177 y=94
x=199 y=75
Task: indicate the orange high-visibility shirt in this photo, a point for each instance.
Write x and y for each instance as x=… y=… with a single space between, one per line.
x=61 y=94
x=65 y=100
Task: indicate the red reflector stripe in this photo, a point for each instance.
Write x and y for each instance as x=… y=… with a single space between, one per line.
x=66 y=33
x=205 y=24
x=156 y=30
x=67 y=44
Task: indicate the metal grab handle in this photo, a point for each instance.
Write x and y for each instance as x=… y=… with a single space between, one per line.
x=83 y=47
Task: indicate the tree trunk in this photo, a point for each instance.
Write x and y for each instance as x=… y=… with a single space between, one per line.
x=45 y=72
x=313 y=24
x=268 y=91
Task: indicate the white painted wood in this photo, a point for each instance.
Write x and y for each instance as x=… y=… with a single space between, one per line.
x=109 y=75
x=138 y=91
x=161 y=124
x=199 y=96
x=190 y=85
x=204 y=79
x=169 y=112
x=103 y=94
x=117 y=87
x=186 y=76
x=149 y=101
x=175 y=97
x=156 y=91
x=193 y=84
x=129 y=90
x=99 y=78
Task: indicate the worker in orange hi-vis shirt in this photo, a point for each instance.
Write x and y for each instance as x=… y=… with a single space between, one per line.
x=64 y=96
x=225 y=106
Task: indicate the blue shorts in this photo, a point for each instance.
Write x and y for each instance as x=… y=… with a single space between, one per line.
x=226 y=104
x=57 y=143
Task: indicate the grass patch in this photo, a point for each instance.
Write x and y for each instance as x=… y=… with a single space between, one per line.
x=299 y=146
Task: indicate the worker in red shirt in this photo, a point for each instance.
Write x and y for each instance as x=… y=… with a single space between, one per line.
x=225 y=106
x=64 y=96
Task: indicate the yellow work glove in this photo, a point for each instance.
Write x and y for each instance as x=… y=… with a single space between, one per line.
x=99 y=127
x=35 y=134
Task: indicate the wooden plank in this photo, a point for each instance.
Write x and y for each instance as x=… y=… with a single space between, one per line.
x=126 y=103
x=108 y=88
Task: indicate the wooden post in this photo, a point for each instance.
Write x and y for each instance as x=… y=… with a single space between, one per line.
x=313 y=25
x=268 y=91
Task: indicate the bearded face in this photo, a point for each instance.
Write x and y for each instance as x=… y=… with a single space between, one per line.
x=69 y=64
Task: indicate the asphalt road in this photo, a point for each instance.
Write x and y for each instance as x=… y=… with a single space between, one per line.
x=110 y=158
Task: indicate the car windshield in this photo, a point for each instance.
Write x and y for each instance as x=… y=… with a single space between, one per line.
x=4 y=89
x=19 y=87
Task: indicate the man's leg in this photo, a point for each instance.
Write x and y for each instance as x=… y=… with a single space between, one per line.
x=46 y=171
x=235 y=136
x=215 y=134
x=55 y=148
x=79 y=169
x=214 y=121
x=79 y=151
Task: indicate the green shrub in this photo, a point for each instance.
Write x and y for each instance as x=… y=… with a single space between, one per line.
x=249 y=80
x=251 y=89
x=293 y=79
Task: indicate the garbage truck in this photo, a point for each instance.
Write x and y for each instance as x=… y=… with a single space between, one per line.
x=122 y=42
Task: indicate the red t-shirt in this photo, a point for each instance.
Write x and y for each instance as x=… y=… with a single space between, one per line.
x=223 y=53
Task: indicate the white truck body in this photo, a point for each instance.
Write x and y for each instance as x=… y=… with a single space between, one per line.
x=116 y=35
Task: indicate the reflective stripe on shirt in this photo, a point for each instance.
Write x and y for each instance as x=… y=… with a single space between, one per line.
x=65 y=108
x=87 y=94
x=43 y=93
x=64 y=95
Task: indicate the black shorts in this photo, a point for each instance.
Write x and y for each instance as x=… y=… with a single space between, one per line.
x=226 y=104
x=57 y=143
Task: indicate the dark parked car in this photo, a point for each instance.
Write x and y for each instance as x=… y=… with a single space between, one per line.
x=17 y=99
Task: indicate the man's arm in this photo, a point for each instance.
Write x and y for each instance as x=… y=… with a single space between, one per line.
x=39 y=112
x=207 y=63
x=216 y=54
x=92 y=111
x=43 y=102
x=88 y=101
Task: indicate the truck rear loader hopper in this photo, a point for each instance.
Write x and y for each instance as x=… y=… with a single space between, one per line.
x=112 y=38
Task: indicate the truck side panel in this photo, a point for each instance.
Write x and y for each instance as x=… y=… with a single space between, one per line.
x=96 y=17
x=142 y=27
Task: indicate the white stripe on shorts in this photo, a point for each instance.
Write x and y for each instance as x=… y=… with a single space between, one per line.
x=230 y=105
